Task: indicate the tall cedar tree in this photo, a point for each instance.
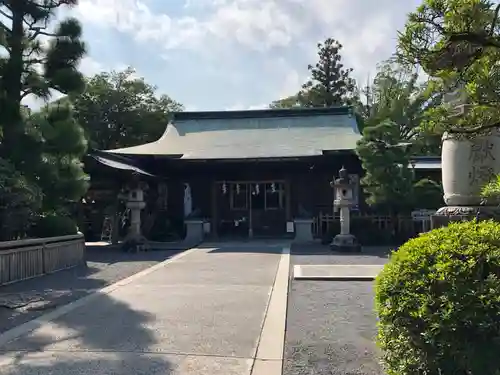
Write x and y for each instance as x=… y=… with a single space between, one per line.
x=330 y=83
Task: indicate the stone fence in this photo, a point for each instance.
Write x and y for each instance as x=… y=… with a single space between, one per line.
x=25 y=259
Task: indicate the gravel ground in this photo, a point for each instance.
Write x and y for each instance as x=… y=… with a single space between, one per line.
x=26 y=300
x=331 y=324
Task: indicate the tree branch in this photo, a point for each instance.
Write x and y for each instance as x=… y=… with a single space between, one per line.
x=494 y=20
x=5 y=14
x=476 y=129
x=25 y=93
x=479 y=39
x=54 y=5
x=39 y=32
x=34 y=61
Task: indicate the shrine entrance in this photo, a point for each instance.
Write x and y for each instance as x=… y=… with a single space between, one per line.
x=252 y=208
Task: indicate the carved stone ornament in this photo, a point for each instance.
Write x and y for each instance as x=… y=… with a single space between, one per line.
x=485 y=211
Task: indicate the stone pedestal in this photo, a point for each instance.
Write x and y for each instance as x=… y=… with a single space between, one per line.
x=194 y=231
x=449 y=214
x=345 y=243
x=303 y=230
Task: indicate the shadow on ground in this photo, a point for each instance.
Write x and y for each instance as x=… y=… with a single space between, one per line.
x=250 y=246
x=319 y=249
x=84 y=341
x=87 y=341
x=23 y=301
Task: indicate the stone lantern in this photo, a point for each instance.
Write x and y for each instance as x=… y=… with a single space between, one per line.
x=344 y=200
x=135 y=203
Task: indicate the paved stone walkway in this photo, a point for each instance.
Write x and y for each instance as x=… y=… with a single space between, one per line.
x=331 y=325
x=27 y=300
x=218 y=310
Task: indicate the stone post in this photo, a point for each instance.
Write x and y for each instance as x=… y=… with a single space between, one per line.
x=345 y=220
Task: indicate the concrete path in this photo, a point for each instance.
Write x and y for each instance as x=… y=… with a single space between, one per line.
x=212 y=310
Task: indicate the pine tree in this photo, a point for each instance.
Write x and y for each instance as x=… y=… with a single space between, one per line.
x=32 y=66
x=40 y=152
x=330 y=83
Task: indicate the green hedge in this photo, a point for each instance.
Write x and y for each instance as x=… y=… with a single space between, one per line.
x=53 y=226
x=438 y=303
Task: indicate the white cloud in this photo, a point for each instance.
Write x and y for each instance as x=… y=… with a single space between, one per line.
x=291 y=80
x=252 y=23
x=365 y=28
x=243 y=107
x=89 y=66
x=229 y=39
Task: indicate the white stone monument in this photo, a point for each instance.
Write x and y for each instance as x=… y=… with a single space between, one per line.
x=467 y=164
x=344 y=200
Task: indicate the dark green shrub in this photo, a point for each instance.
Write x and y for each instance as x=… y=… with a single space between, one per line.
x=438 y=303
x=428 y=194
x=20 y=200
x=366 y=231
x=52 y=226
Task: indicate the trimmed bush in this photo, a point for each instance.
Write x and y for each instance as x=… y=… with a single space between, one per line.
x=53 y=226
x=438 y=303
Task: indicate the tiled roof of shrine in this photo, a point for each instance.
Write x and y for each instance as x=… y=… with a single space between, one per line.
x=255 y=134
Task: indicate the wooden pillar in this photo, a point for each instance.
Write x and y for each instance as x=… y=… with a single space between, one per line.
x=288 y=199
x=213 y=215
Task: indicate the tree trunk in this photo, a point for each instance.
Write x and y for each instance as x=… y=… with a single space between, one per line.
x=12 y=82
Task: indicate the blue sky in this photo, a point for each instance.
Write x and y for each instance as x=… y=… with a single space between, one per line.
x=234 y=54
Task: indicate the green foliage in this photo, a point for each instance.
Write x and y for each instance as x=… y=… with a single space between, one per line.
x=438 y=303
x=388 y=182
x=457 y=43
x=31 y=66
x=53 y=225
x=428 y=194
x=448 y=34
x=396 y=94
x=58 y=169
x=330 y=83
x=491 y=191
x=40 y=151
x=289 y=102
x=19 y=202
x=118 y=109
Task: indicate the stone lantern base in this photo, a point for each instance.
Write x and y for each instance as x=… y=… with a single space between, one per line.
x=345 y=243
x=134 y=243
